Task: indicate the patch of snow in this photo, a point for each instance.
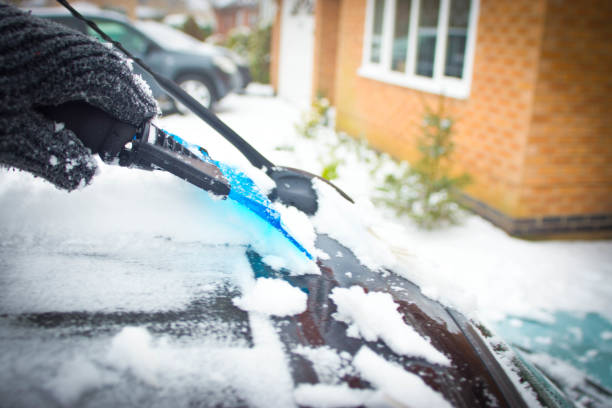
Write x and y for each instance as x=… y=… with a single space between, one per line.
x=260 y=178
x=576 y=332
x=589 y=355
x=543 y=340
x=161 y=371
x=398 y=385
x=352 y=229
x=59 y=126
x=273 y=297
x=53 y=160
x=477 y=275
x=156 y=363
x=516 y=323
x=374 y=316
x=331 y=396
x=257 y=89
x=132 y=349
x=270 y=364
x=329 y=365
x=275 y=262
x=76 y=377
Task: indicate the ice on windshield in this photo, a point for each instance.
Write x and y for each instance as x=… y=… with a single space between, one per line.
x=122 y=291
x=138 y=264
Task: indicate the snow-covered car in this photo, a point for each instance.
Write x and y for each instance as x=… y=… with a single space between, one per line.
x=144 y=290
x=206 y=72
x=273 y=290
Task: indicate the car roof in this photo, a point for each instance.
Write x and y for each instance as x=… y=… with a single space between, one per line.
x=87 y=10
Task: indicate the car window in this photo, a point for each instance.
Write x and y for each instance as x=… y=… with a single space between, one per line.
x=70 y=22
x=133 y=41
x=169 y=37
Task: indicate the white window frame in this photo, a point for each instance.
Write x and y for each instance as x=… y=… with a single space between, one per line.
x=439 y=84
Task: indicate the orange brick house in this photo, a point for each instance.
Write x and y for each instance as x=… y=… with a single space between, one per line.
x=528 y=82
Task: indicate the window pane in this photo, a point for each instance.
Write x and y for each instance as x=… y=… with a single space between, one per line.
x=132 y=41
x=427 y=34
x=379 y=8
x=400 y=36
x=457 y=37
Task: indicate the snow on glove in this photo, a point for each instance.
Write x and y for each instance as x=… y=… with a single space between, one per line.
x=44 y=65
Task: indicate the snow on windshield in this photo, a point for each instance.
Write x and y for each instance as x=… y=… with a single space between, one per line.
x=353 y=228
x=130 y=266
x=397 y=384
x=374 y=316
x=394 y=386
x=273 y=297
x=113 y=284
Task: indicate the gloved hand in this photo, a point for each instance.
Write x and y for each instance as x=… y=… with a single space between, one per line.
x=46 y=67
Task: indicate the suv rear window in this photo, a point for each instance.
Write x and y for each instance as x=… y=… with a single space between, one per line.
x=133 y=41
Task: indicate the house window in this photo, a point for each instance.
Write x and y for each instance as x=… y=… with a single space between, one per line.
x=422 y=44
x=400 y=35
x=427 y=34
x=376 y=41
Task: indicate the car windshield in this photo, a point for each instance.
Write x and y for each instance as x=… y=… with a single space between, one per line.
x=172 y=297
x=169 y=37
x=104 y=297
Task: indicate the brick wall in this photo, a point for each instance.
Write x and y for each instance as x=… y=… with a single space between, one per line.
x=492 y=125
x=535 y=132
x=568 y=158
x=326 y=41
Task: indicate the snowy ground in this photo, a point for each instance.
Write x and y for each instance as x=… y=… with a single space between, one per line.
x=106 y=251
x=475 y=267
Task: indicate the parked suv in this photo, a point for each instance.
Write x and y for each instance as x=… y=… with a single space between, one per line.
x=206 y=72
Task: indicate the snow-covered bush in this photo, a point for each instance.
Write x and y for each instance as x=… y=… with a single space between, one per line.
x=314 y=119
x=426 y=191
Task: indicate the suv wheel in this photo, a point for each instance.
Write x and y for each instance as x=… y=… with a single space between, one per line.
x=197 y=87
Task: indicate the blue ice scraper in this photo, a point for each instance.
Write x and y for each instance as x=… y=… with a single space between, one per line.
x=155 y=148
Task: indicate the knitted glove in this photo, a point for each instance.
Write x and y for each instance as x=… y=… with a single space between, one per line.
x=44 y=65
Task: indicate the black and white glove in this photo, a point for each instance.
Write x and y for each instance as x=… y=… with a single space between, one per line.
x=51 y=75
